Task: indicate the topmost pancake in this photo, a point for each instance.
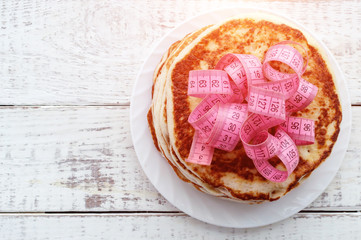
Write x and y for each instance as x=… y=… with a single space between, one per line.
x=234 y=171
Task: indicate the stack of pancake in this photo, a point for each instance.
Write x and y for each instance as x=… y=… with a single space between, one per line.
x=232 y=175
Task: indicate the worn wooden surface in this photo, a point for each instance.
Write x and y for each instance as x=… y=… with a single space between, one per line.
x=174 y=226
x=66 y=73
x=89 y=52
x=82 y=159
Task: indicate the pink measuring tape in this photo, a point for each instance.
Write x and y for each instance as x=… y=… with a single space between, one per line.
x=222 y=119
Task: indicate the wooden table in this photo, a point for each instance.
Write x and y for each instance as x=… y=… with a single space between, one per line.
x=68 y=169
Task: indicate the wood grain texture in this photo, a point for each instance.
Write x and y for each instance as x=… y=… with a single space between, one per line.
x=71 y=159
x=68 y=68
x=89 y=52
x=82 y=159
x=174 y=226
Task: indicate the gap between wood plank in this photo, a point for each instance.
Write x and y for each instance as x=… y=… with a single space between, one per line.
x=155 y=212
x=127 y=104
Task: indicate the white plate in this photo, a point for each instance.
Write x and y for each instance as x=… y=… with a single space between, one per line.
x=203 y=206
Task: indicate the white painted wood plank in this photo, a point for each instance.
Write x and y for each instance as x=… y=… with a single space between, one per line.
x=70 y=159
x=174 y=226
x=89 y=52
x=82 y=159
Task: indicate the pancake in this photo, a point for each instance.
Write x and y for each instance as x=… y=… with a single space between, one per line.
x=155 y=120
x=232 y=175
